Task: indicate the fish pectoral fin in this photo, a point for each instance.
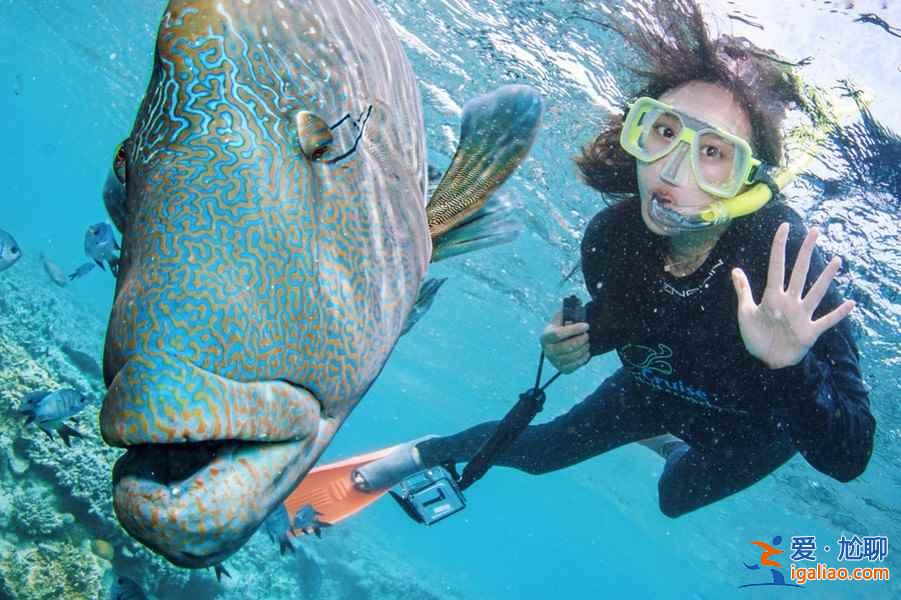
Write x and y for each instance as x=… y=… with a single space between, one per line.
x=427 y=292
x=496 y=135
x=492 y=225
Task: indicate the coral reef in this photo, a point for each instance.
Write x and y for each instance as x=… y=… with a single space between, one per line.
x=49 y=571
x=33 y=509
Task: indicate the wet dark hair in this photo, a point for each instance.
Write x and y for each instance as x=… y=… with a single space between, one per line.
x=674 y=50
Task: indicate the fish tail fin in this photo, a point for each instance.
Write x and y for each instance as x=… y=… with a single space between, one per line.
x=496 y=134
x=67 y=433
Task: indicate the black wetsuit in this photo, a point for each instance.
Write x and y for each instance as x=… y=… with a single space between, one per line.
x=686 y=371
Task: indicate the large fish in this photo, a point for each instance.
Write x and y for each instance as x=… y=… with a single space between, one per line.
x=272 y=202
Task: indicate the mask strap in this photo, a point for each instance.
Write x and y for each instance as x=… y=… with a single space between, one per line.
x=764 y=174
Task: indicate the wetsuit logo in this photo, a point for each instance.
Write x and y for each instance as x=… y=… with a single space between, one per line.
x=643 y=357
x=653 y=367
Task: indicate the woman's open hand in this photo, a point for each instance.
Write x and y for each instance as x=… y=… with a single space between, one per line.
x=780 y=330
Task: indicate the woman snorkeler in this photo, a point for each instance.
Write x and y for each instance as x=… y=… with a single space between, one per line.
x=732 y=362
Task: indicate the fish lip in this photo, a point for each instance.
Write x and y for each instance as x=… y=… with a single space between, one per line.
x=193 y=521
x=189 y=495
x=187 y=404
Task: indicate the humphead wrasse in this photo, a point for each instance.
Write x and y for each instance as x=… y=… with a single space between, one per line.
x=275 y=234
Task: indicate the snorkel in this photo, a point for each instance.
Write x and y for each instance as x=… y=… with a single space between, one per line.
x=803 y=143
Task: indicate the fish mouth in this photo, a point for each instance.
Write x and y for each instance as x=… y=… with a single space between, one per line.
x=208 y=458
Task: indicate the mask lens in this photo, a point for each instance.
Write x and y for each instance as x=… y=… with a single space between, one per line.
x=660 y=131
x=719 y=163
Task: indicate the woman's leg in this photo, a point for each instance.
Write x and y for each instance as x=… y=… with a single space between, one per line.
x=692 y=478
x=615 y=414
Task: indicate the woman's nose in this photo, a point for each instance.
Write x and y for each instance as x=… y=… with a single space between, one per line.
x=673 y=173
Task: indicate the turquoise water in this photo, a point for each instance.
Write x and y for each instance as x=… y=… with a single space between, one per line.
x=73 y=74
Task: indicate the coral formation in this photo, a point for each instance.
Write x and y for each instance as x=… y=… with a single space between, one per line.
x=49 y=571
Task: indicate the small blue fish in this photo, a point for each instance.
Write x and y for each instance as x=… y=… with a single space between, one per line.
x=307 y=520
x=100 y=245
x=278 y=527
x=81 y=271
x=125 y=588
x=49 y=409
x=10 y=251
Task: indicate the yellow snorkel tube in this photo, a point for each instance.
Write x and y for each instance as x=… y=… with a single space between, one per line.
x=802 y=142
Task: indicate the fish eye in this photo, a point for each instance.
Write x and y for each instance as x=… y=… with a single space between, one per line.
x=313 y=134
x=119 y=162
x=14 y=250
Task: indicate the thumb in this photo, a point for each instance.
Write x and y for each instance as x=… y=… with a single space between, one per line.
x=557 y=319
x=742 y=289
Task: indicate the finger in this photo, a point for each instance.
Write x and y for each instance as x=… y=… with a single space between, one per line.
x=832 y=319
x=775 y=278
x=818 y=290
x=570 y=366
x=549 y=335
x=570 y=347
x=557 y=333
x=802 y=264
x=742 y=290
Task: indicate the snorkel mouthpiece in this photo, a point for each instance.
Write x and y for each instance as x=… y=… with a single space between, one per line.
x=717 y=213
x=672 y=222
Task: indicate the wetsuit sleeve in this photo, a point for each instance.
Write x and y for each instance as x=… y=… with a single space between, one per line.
x=823 y=399
x=598 y=257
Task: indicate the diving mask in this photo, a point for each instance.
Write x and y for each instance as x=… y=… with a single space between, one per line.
x=721 y=162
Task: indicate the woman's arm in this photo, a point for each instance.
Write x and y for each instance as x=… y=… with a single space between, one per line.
x=600 y=256
x=807 y=355
x=826 y=406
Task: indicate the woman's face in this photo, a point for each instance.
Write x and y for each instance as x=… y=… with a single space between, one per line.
x=706 y=102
